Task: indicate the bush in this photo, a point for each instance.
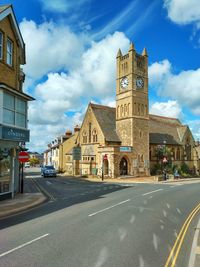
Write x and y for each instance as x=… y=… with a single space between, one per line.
x=156 y=169
x=185 y=170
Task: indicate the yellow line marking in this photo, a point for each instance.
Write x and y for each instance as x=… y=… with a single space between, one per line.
x=198 y=250
x=185 y=226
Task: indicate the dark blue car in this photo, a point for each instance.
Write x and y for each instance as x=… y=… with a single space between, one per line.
x=48 y=171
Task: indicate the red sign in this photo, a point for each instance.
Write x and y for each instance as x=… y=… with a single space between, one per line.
x=105 y=157
x=23 y=156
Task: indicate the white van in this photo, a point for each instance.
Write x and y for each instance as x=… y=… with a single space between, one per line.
x=27 y=165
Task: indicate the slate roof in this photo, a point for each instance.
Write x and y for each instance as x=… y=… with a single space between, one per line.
x=4 y=7
x=106 y=117
x=161 y=128
x=165 y=129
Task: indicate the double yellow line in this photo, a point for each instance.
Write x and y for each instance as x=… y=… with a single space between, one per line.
x=171 y=261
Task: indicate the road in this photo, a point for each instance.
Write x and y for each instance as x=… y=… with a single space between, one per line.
x=88 y=224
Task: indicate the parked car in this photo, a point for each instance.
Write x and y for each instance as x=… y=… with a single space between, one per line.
x=48 y=171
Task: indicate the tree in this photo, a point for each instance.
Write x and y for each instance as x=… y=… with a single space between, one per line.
x=34 y=161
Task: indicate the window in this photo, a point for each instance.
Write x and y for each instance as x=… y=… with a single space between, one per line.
x=9 y=59
x=14 y=110
x=90 y=126
x=1 y=45
x=94 y=134
x=84 y=137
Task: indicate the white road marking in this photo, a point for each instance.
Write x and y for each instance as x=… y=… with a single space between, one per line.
x=194 y=245
x=23 y=245
x=152 y=192
x=175 y=185
x=110 y=207
x=48 y=183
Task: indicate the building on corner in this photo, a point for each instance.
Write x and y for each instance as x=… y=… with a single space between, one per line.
x=13 y=101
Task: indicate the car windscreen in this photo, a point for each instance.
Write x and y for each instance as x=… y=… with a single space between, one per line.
x=49 y=167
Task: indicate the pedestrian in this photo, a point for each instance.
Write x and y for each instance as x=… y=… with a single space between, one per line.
x=164 y=174
x=176 y=174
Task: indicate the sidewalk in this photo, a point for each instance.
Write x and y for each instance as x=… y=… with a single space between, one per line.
x=20 y=203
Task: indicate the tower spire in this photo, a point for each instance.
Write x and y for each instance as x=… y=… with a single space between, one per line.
x=144 y=52
x=119 y=54
x=131 y=47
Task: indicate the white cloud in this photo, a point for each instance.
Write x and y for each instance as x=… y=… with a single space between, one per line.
x=195 y=128
x=158 y=71
x=50 y=47
x=94 y=78
x=168 y=109
x=183 y=11
x=184 y=86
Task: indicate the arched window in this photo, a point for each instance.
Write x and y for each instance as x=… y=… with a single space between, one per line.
x=142 y=110
x=138 y=109
x=178 y=154
x=94 y=135
x=125 y=110
x=118 y=112
x=128 y=110
x=90 y=126
x=135 y=108
x=84 y=137
x=122 y=111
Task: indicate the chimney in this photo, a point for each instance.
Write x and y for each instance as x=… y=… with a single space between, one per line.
x=77 y=128
x=68 y=134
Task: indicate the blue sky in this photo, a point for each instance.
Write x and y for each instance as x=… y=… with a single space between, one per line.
x=71 y=48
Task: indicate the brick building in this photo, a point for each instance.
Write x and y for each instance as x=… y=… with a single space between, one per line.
x=13 y=101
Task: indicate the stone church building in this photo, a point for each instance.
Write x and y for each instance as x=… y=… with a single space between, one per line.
x=123 y=140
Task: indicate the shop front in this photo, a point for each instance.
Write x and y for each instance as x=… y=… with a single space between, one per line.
x=10 y=141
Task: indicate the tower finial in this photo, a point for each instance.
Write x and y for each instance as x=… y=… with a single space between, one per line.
x=144 y=52
x=119 y=54
x=131 y=47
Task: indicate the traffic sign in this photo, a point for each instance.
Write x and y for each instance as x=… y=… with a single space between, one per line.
x=23 y=156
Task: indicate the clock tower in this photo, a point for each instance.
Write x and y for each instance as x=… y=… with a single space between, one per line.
x=132 y=111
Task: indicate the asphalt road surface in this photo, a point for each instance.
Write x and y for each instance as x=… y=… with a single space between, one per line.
x=86 y=224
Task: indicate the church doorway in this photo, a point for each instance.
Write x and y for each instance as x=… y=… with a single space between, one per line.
x=123 y=166
x=105 y=167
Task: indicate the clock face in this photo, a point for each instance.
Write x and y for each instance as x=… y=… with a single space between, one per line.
x=124 y=82
x=139 y=82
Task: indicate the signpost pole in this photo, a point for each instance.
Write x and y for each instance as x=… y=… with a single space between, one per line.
x=22 y=180
x=102 y=177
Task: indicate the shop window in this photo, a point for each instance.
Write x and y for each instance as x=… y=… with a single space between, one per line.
x=5 y=173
